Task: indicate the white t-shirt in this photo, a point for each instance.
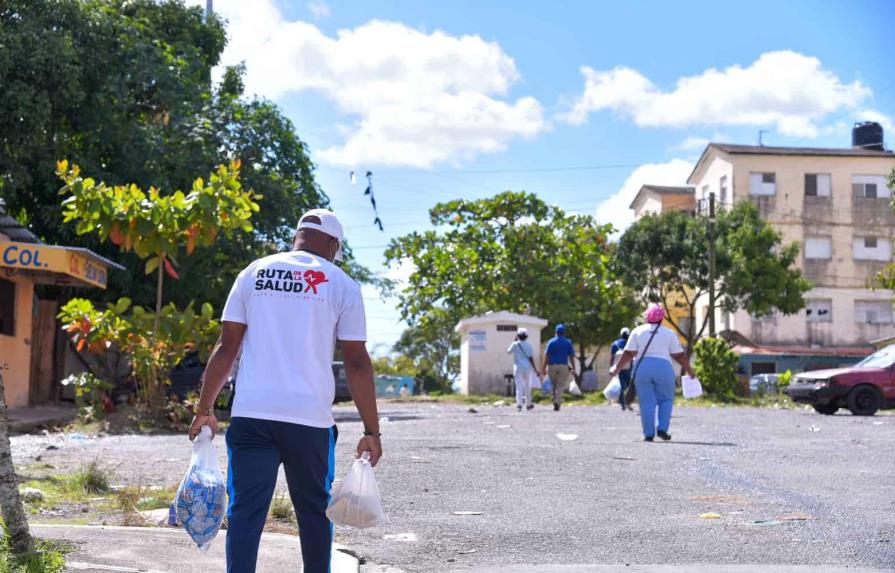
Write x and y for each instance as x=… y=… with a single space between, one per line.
x=522 y=353
x=295 y=305
x=664 y=344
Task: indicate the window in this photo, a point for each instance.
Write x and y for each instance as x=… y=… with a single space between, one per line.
x=820 y=310
x=7 y=307
x=872 y=249
x=722 y=190
x=817 y=185
x=762 y=184
x=818 y=248
x=873 y=312
x=870 y=187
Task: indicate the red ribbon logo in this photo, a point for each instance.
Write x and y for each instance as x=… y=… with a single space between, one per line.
x=314 y=278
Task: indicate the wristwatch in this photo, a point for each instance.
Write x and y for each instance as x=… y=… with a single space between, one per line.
x=203 y=411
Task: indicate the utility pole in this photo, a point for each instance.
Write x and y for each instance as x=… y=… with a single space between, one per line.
x=209 y=9
x=711 y=237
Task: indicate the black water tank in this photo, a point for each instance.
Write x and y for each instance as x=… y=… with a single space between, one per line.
x=867 y=135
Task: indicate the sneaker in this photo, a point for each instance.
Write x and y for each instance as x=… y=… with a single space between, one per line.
x=556 y=407
x=518 y=408
x=530 y=407
x=664 y=435
x=648 y=439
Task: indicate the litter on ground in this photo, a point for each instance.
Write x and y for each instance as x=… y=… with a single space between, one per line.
x=567 y=437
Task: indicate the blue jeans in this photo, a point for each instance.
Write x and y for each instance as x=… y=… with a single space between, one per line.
x=624 y=377
x=255 y=450
x=655 y=389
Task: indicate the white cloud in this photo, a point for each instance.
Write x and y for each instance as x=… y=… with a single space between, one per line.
x=417 y=99
x=785 y=89
x=616 y=209
x=880 y=118
x=692 y=144
x=319 y=10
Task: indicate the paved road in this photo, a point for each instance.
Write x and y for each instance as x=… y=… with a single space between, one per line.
x=791 y=487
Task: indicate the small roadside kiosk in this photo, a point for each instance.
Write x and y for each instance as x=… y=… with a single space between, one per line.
x=28 y=325
x=484 y=362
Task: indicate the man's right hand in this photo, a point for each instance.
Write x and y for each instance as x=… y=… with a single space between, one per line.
x=373 y=446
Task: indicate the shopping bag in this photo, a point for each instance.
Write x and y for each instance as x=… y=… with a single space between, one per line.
x=691 y=387
x=535 y=382
x=200 y=498
x=574 y=390
x=355 y=501
x=547 y=386
x=613 y=390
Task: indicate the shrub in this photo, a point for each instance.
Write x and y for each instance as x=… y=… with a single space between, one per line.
x=89 y=392
x=92 y=477
x=784 y=380
x=281 y=506
x=716 y=368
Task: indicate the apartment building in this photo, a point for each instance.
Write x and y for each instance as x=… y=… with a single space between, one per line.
x=655 y=199
x=836 y=204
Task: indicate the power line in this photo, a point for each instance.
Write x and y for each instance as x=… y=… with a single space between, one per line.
x=501 y=171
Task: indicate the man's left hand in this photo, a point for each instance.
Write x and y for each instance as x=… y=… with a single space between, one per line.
x=371 y=445
x=203 y=420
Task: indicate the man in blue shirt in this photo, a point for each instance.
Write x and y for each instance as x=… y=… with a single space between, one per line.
x=624 y=376
x=559 y=359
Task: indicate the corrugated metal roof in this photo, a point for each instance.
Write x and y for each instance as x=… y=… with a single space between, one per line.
x=817 y=151
x=13 y=229
x=670 y=190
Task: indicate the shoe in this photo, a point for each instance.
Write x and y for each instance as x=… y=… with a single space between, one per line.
x=648 y=439
x=530 y=407
x=556 y=407
x=664 y=435
x=518 y=408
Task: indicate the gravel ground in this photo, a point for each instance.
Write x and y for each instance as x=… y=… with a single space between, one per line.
x=790 y=487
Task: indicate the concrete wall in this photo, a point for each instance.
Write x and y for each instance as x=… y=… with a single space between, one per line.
x=484 y=360
x=841 y=216
x=15 y=351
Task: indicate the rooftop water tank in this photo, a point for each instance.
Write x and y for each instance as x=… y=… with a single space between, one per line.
x=867 y=135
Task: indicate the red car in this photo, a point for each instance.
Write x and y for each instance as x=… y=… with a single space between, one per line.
x=864 y=388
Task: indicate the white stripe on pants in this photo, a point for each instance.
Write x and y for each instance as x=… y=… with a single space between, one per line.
x=523 y=385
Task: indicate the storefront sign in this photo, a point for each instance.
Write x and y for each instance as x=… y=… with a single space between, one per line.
x=78 y=263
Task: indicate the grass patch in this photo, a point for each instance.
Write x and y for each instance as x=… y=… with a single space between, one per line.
x=281 y=506
x=92 y=478
x=49 y=557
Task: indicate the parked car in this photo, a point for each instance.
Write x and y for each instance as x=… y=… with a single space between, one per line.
x=864 y=388
x=763 y=384
x=343 y=393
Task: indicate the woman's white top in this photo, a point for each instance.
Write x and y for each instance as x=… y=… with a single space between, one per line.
x=664 y=344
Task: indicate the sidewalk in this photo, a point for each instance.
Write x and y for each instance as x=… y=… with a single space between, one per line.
x=162 y=550
x=25 y=420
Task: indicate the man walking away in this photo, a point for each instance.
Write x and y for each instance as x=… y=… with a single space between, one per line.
x=624 y=376
x=559 y=360
x=287 y=311
x=523 y=369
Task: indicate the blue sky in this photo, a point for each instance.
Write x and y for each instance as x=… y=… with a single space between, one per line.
x=580 y=102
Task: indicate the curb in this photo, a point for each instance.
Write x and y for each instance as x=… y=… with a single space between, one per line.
x=344 y=559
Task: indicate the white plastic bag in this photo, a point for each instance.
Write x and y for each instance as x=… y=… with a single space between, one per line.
x=691 y=387
x=535 y=382
x=200 y=499
x=574 y=390
x=355 y=501
x=613 y=390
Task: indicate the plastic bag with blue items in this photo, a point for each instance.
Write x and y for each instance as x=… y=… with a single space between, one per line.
x=200 y=499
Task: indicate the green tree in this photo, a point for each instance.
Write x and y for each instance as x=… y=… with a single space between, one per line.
x=716 y=368
x=664 y=258
x=433 y=347
x=514 y=252
x=123 y=88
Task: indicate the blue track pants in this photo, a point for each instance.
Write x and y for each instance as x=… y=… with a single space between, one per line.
x=255 y=449
x=655 y=389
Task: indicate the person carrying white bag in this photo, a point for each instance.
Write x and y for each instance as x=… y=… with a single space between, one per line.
x=287 y=311
x=355 y=501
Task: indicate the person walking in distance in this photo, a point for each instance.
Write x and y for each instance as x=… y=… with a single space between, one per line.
x=559 y=360
x=654 y=347
x=287 y=311
x=624 y=375
x=523 y=369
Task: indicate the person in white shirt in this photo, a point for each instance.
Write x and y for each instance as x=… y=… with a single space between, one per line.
x=654 y=347
x=523 y=369
x=287 y=311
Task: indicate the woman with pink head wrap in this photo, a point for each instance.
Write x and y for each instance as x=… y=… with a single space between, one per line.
x=653 y=347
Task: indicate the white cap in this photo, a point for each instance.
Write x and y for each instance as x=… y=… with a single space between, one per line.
x=329 y=225
x=625 y=331
x=522 y=332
